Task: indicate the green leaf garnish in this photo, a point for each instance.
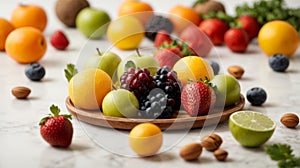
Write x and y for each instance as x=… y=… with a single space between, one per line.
x=70 y=71
x=55 y=110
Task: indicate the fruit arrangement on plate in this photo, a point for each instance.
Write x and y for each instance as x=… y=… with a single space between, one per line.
x=174 y=85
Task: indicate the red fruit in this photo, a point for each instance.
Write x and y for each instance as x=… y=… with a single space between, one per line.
x=197 y=98
x=215 y=30
x=197 y=40
x=236 y=39
x=57 y=129
x=162 y=37
x=59 y=40
x=167 y=56
x=250 y=25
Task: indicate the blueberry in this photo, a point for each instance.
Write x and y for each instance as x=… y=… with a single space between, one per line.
x=35 y=71
x=215 y=66
x=256 y=96
x=279 y=62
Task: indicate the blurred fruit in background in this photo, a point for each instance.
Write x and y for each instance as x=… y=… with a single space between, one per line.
x=67 y=10
x=250 y=25
x=29 y=15
x=5 y=28
x=26 y=45
x=125 y=33
x=59 y=40
x=236 y=39
x=203 y=7
x=278 y=37
x=92 y=22
x=141 y=10
x=182 y=17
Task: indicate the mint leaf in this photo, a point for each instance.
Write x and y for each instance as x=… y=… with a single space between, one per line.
x=55 y=110
x=70 y=71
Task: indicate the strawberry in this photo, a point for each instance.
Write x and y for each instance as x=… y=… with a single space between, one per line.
x=197 y=98
x=59 y=40
x=162 y=37
x=236 y=39
x=250 y=25
x=167 y=56
x=57 y=129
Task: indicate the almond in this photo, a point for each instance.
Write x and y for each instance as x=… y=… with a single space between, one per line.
x=20 y=92
x=211 y=142
x=236 y=71
x=220 y=154
x=290 y=120
x=191 y=151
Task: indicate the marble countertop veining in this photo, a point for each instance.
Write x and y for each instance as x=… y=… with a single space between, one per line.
x=22 y=146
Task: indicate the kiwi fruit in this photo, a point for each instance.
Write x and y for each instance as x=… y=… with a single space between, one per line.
x=67 y=10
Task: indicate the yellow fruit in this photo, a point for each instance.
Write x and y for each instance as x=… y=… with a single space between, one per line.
x=5 y=28
x=145 y=139
x=278 y=37
x=88 y=88
x=26 y=45
x=125 y=33
x=193 y=68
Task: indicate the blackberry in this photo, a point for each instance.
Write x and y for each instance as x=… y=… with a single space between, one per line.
x=166 y=95
x=35 y=71
x=256 y=96
x=157 y=23
x=138 y=81
x=279 y=62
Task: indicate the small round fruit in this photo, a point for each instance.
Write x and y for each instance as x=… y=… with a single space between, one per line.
x=35 y=71
x=26 y=45
x=215 y=66
x=125 y=33
x=290 y=120
x=88 y=88
x=256 y=96
x=5 y=28
x=145 y=139
x=279 y=62
x=120 y=103
x=278 y=37
x=193 y=68
x=29 y=15
x=251 y=129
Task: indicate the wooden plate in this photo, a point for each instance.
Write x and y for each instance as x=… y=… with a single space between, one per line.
x=183 y=120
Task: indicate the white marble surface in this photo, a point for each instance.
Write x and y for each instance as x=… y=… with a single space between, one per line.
x=22 y=146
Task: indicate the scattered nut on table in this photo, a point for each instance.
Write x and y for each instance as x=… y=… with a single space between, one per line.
x=211 y=142
x=290 y=120
x=220 y=154
x=191 y=151
x=236 y=71
x=21 y=92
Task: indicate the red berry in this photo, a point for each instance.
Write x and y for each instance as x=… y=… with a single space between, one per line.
x=250 y=25
x=236 y=39
x=59 y=40
x=162 y=37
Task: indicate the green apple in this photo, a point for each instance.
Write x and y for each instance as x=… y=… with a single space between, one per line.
x=228 y=89
x=107 y=61
x=120 y=103
x=92 y=22
x=138 y=61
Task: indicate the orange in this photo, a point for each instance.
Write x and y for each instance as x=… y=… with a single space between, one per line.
x=145 y=139
x=193 y=68
x=29 y=15
x=278 y=37
x=26 y=45
x=141 y=10
x=182 y=17
x=88 y=88
x=5 y=28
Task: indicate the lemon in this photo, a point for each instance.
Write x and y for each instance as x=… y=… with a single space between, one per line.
x=145 y=139
x=278 y=37
x=251 y=129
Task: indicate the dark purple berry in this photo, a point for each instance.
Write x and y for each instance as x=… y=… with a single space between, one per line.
x=279 y=62
x=256 y=96
x=35 y=71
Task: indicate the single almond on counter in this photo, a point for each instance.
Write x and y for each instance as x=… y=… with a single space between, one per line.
x=290 y=120
x=211 y=142
x=220 y=154
x=191 y=151
x=20 y=92
x=236 y=71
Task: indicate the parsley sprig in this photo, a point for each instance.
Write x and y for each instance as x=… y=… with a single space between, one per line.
x=284 y=155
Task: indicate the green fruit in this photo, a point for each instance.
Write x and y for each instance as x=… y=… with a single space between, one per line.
x=251 y=129
x=92 y=22
x=107 y=61
x=138 y=61
x=228 y=89
x=120 y=103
